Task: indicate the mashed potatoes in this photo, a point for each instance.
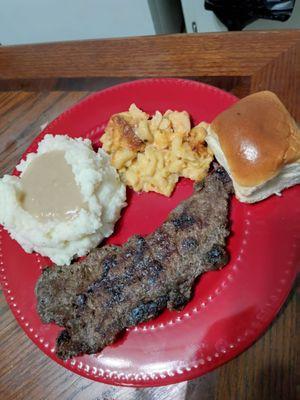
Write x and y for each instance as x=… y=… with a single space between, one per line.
x=62 y=238
x=152 y=153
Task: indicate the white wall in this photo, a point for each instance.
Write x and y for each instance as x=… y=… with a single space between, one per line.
x=31 y=21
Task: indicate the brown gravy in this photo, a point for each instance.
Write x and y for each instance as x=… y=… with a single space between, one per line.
x=50 y=189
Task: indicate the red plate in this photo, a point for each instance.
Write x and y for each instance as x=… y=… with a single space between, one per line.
x=230 y=309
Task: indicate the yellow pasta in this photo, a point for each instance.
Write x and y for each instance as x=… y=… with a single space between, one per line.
x=151 y=154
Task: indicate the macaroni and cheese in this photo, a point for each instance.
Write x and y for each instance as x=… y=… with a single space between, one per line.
x=151 y=154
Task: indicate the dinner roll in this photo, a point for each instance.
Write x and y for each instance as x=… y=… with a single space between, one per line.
x=258 y=143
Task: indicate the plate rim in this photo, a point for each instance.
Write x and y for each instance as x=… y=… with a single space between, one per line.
x=177 y=377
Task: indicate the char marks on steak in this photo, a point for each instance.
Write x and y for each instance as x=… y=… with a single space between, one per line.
x=117 y=287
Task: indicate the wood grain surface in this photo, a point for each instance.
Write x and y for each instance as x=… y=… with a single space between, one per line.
x=267 y=370
x=230 y=54
x=249 y=61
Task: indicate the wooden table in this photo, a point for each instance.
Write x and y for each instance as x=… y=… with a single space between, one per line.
x=38 y=82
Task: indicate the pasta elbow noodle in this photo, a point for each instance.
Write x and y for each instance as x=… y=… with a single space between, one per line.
x=151 y=154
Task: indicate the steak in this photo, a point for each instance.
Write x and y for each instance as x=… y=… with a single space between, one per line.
x=116 y=287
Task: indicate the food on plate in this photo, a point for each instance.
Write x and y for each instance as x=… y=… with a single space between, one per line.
x=152 y=153
x=59 y=206
x=117 y=287
x=258 y=143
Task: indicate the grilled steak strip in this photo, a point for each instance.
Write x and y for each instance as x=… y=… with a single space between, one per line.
x=58 y=286
x=118 y=287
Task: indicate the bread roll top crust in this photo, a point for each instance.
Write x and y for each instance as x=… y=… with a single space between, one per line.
x=258 y=136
